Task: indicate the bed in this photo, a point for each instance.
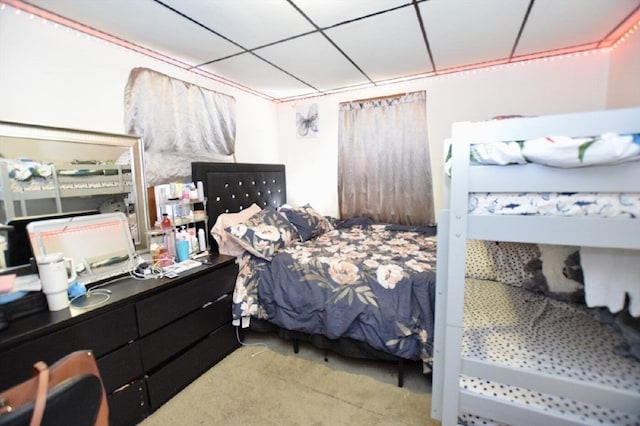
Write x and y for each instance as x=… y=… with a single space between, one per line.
x=504 y=354
x=357 y=288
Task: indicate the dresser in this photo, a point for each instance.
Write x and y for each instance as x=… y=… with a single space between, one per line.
x=151 y=338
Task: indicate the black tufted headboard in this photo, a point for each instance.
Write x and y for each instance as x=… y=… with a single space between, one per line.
x=231 y=187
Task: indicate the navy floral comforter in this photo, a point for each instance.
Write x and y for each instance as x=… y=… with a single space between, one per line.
x=371 y=283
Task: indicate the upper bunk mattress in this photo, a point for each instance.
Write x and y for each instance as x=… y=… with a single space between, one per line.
x=561 y=152
x=557 y=151
x=556 y=204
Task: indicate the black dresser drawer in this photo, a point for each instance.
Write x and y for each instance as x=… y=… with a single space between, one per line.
x=174 y=303
x=169 y=341
x=120 y=367
x=101 y=334
x=130 y=405
x=176 y=375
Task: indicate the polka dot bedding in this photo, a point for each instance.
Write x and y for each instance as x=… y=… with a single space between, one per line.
x=510 y=326
x=479 y=263
x=510 y=260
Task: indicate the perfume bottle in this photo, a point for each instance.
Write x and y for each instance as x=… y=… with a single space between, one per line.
x=166 y=222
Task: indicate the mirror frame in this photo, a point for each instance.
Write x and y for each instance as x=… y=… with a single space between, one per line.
x=133 y=144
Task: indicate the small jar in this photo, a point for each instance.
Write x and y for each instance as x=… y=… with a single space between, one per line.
x=156 y=244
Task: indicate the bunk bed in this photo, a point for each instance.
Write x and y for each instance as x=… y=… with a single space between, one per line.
x=514 y=381
x=26 y=183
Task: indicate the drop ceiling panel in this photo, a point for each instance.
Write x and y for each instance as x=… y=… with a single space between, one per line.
x=463 y=32
x=250 y=23
x=327 y=13
x=147 y=24
x=383 y=38
x=313 y=60
x=385 y=46
x=253 y=72
x=554 y=24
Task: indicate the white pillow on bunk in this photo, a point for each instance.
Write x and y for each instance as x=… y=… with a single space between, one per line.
x=510 y=260
x=479 y=264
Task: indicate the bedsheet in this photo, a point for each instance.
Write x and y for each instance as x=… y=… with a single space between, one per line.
x=370 y=283
x=514 y=327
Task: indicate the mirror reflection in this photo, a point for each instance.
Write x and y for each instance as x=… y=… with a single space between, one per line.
x=48 y=173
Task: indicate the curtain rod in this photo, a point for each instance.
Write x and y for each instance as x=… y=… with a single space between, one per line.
x=381 y=98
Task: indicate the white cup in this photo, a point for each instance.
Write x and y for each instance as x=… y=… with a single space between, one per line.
x=55 y=279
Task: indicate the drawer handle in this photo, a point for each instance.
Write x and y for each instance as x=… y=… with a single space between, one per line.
x=206 y=305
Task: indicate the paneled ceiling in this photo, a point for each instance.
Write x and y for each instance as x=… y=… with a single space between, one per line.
x=287 y=49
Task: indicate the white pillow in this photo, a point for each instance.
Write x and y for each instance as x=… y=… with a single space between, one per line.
x=226 y=245
x=479 y=263
x=510 y=260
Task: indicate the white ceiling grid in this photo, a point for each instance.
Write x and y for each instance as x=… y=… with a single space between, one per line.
x=283 y=49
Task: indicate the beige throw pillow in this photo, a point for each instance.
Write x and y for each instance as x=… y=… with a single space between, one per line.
x=226 y=245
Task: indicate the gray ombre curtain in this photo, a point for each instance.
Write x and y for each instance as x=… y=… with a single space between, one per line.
x=179 y=123
x=384 y=170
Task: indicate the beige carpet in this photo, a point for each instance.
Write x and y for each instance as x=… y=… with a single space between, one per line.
x=255 y=386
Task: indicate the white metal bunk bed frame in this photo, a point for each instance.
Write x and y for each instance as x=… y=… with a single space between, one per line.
x=121 y=182
x=455 y=226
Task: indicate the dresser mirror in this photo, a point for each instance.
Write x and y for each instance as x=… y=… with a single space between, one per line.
x=48 y=172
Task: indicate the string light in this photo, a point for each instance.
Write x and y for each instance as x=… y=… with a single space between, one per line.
x=605 y=47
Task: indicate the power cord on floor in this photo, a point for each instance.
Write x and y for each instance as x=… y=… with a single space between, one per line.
x=263 y=345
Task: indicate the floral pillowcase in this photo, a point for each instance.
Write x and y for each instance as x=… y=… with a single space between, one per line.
x=264 y=233
x=307 y=221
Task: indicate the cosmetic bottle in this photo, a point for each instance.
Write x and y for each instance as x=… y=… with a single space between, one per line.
x=202 y=243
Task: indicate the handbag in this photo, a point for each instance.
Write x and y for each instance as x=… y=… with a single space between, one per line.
x=51 y=385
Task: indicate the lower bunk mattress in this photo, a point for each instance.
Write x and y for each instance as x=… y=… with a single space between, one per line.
x=517 y=328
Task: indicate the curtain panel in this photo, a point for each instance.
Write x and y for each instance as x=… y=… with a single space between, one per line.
x=384 y=169
x=179 y=123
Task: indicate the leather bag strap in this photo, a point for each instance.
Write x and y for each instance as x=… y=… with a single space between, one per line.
x=42 y=371
x=74 y=364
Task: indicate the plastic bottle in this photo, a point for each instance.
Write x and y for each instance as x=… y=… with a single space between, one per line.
x=184 y=235
x=202 y=243
x=171 y=243
x=169 y=237
x=166 y=222
x=193 y=238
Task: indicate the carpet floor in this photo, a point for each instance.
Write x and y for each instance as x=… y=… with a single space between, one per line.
x=260 y=386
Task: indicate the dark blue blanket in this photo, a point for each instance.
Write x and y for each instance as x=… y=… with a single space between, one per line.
x=372 y=283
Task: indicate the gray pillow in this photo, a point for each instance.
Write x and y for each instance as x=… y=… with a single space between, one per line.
x=307 y=221
x=557 y=273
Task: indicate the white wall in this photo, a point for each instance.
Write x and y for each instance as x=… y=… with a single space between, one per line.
x=57 y=77
x=577 y=83
x=624 y=74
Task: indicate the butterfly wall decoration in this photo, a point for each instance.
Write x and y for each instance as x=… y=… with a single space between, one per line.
x=307 y=121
